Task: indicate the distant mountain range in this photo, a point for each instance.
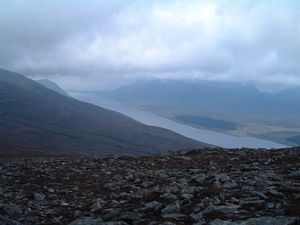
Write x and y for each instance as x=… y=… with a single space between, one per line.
x=223 y=97
x=35 y=118
x=205 y=103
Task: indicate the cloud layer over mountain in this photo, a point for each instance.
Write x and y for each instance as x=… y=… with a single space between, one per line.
x=90 y=44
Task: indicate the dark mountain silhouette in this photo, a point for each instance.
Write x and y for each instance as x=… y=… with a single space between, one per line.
x=35 y=118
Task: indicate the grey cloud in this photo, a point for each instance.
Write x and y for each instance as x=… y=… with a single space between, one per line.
x=109 y=42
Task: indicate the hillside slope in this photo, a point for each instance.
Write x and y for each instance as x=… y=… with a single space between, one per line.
x=52 y=86
x=33 y=117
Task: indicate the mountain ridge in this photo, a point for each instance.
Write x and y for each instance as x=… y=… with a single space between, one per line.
x=163 y=91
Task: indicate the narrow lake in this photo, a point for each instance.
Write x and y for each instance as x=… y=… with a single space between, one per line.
x=210 y=137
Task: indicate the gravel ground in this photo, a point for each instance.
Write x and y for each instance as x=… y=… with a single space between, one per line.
x=209 y=186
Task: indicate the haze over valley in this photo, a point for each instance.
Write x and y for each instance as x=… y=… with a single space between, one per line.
x=233 y=108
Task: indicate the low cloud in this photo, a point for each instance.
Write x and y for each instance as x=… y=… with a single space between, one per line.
x=95 y=44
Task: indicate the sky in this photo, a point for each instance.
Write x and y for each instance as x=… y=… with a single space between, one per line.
x=99 y=44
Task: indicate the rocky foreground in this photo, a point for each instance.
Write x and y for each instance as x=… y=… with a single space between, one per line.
x=212 y=186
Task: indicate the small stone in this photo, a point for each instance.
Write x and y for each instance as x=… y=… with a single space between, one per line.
x=87 y=221
x=275 y=192
x=129 y=217
x=115 y=223
x=39 y=196
x=63 y=203
x=187 y=196
x=97 y=205
x=200 y=178
x=5 y=221
x=222 y=209
x=222 y=222
x=147 y=184
x=170 y=209
x=197 y=217
x=278 y=220
x=175 y=216
x=168 y=196
x=167 y=223
x=50 y=190
x=140 y=222
x=261 y=195
x=108 y=214
x=154 y=205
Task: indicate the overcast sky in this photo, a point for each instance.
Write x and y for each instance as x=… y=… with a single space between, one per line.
x=97 y=44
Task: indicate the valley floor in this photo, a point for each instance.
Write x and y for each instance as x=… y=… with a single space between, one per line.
x=210 y=186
